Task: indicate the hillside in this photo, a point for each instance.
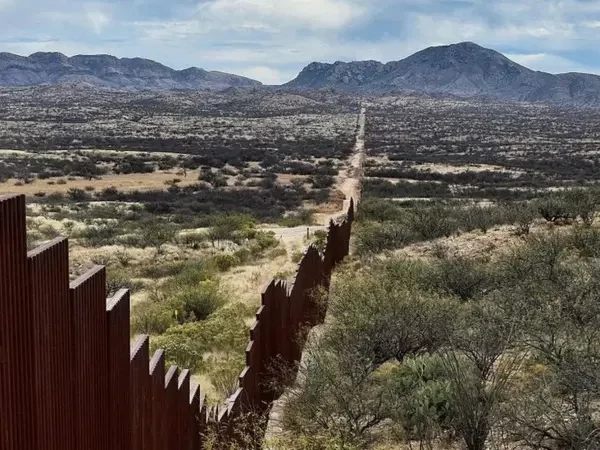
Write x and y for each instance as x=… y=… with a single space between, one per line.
x=465 y=70
x=107 y=71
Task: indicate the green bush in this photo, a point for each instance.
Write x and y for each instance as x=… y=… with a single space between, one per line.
x=224 y=262
x=99 y=235
x=583 y=203
x=423 y=393
x=243 y=255
x=195 y=303
x=380 y=210
x=302 y=217
x=432 y=222
x=587 y=241
x=158 y=234
x=117 y=280
x=78 y=195
x=554 y=208
x=153 y=318
x=373 y=237
x=322 y=181
x=477 y=218
x=193 y=240
x=463 y=277
x=224 y=335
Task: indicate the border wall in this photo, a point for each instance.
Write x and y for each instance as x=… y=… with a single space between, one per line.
x=70 y=380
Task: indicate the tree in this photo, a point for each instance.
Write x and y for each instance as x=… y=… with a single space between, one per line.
x=158 y=234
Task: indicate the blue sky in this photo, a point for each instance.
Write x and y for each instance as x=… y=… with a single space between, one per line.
x=271 y=40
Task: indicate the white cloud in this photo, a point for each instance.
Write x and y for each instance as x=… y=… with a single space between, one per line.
x=319 y=14
x=98 y=20
x=267 y=75
x=546 y=62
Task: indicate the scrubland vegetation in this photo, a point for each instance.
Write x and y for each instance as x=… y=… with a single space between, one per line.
x=459 y=348
x=468 y=316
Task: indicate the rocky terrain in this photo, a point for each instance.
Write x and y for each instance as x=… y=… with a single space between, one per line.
x=464 y=70
x=110 y=72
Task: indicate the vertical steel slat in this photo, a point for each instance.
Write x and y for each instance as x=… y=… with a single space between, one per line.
x=118 y=331
x=17 y=364
x=90 y=359
x=48 y=268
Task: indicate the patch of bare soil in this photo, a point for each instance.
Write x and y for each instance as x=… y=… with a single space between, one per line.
x=128 y=182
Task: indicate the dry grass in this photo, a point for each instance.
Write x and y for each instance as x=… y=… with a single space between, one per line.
x=129 y=182
x=446 y=168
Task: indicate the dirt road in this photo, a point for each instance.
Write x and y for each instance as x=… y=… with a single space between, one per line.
x=348 y=182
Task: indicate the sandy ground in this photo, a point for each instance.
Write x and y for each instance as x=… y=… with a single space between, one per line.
x=129 y=182
x=446 y=168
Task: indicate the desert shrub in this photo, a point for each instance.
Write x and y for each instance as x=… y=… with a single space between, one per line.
x=583 y=203
x=40 y=194
x=158 y=234
x=523 y=216
x=55 y=197
x=297 y=256
x=302 y=217
x=149 y=317
x=373 y=237
x=132 y=240
x=61 y=181
x=422 y=390
x=277 y=252
x=99 y=235
x=463 y=277
x=77 y=195
x=319 y=239
x=262 y=242
x=193 y=240
x=379 y=210
x=477 y=218
x=123 y=257
x=225 y=375
x=117 y=280
x=197 y=302
x=587 y=241
x=48 y=231
x=538 y=260
x=224 y=262
x=243 y=255
x=322 y=181
x=224 y=335
x=379 y=321
x=554 y=208
x=432 y=222
x=110 y=194
x=161 y=270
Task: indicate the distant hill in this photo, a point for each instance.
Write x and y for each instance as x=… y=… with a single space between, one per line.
x=464 y=70
x=107 y=71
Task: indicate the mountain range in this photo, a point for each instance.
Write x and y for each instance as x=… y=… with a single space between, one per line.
x=107 y=71
x=464 y=70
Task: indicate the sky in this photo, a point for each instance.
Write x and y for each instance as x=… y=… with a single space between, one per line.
x=272 y=40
